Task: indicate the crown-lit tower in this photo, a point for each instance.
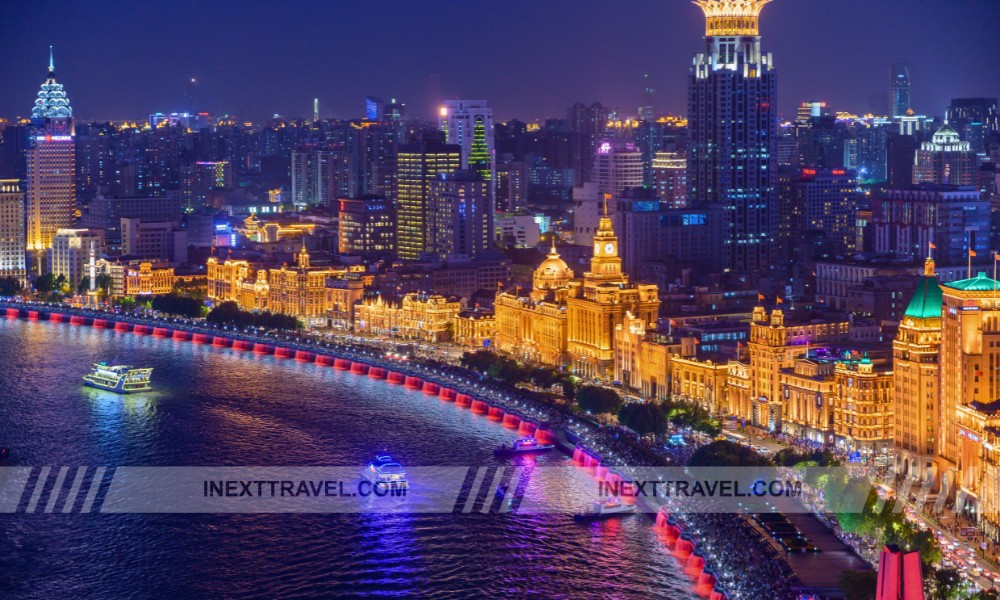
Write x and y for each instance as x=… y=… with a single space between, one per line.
x=51 y=197
x=732 y=117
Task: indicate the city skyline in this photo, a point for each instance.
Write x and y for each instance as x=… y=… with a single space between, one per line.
x=556 y=57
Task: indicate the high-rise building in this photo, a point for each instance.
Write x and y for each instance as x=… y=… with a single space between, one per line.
x=469 y=124
x=899 y=89
x=12 y=230
x=617 y=167
x=373 y=108
x=945 y=160
x=823 y=200
x=416 y=166
x=732 y=128
x=367 y=228
x=460 y=222
x=51 y=173
x=954 y=219
x=313 y=180
x=13 y=150
x=647 y=110
x=670 y=178
x=916 y=375
x=975 y=120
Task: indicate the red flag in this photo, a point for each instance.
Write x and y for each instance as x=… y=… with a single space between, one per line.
x=933 y=246
x=972 y=252
x=760 y=297
x=780 y=301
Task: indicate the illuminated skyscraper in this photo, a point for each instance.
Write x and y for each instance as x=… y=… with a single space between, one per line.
x=899 y=89
x=732 y=119
x=416 y=166
x=51 y=174
x=617 y=167
x=459 y=216
x=946 y=159
x=469 y=124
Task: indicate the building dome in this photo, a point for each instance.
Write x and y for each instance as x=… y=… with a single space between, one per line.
x=52 y=102
x=553 y=272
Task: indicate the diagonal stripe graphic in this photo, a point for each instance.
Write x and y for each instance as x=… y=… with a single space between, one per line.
x=95 y=486
x=74 y=489
x=56 y=489
x=474 y=492
x=43 y=476
x=515 y=482
x=491 y=493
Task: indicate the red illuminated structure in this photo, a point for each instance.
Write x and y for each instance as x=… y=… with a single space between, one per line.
x=899 y=575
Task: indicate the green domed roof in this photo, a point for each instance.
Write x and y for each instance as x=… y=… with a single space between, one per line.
x=926 y=302
x=979 y=283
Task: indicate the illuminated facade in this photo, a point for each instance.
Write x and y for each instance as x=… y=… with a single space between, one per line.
x=416 y=317
x=969 y=385
x=807 y=388
x=70 y=253
x=701 y=382
x=863 y=406
x=143 y=279
x=917 y=372
x=51 y=173
x=416 y=166
x=532 y=326
x=641 y=361
x=299 y=291
x=732 y=113
x=475 y=328
x=755 y=381
x=12 y=243
x=342 y=296
x=598 y=302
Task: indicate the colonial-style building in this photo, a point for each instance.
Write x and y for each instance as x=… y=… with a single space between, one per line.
x=642 y=359
x=700 y=381
x=532 y=326
x=807 y=388
x=774 y=345
x=862 y=406
x=598 y=302
x=136 y=278
x=416 y=317
x=969 y=390
x=916 y=378
x=475 y=328
x=299 y=291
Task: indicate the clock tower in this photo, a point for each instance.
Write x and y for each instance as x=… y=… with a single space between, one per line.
x=606 y=264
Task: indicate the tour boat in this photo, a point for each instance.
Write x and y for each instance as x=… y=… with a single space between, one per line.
x=602 y=509
x=121 y=379
x=386 y=471
x=524 y=446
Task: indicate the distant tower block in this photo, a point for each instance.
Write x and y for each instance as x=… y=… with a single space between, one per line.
x=315 y=109
x=899 y=575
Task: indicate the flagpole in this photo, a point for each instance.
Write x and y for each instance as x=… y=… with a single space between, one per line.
x=970 y=264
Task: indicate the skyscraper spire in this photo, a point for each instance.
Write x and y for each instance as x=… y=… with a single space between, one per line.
x=52 y=62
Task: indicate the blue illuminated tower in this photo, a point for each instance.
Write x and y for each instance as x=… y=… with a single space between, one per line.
x=732 y=120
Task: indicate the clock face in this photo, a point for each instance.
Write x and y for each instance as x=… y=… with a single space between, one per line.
x=609 y=248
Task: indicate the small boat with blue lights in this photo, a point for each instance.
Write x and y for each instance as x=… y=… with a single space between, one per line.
x=121 y=379
x=384 y=470
x=525 y=445
x=603 y=509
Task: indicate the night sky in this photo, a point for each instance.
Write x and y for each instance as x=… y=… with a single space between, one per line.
x=528 y=58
